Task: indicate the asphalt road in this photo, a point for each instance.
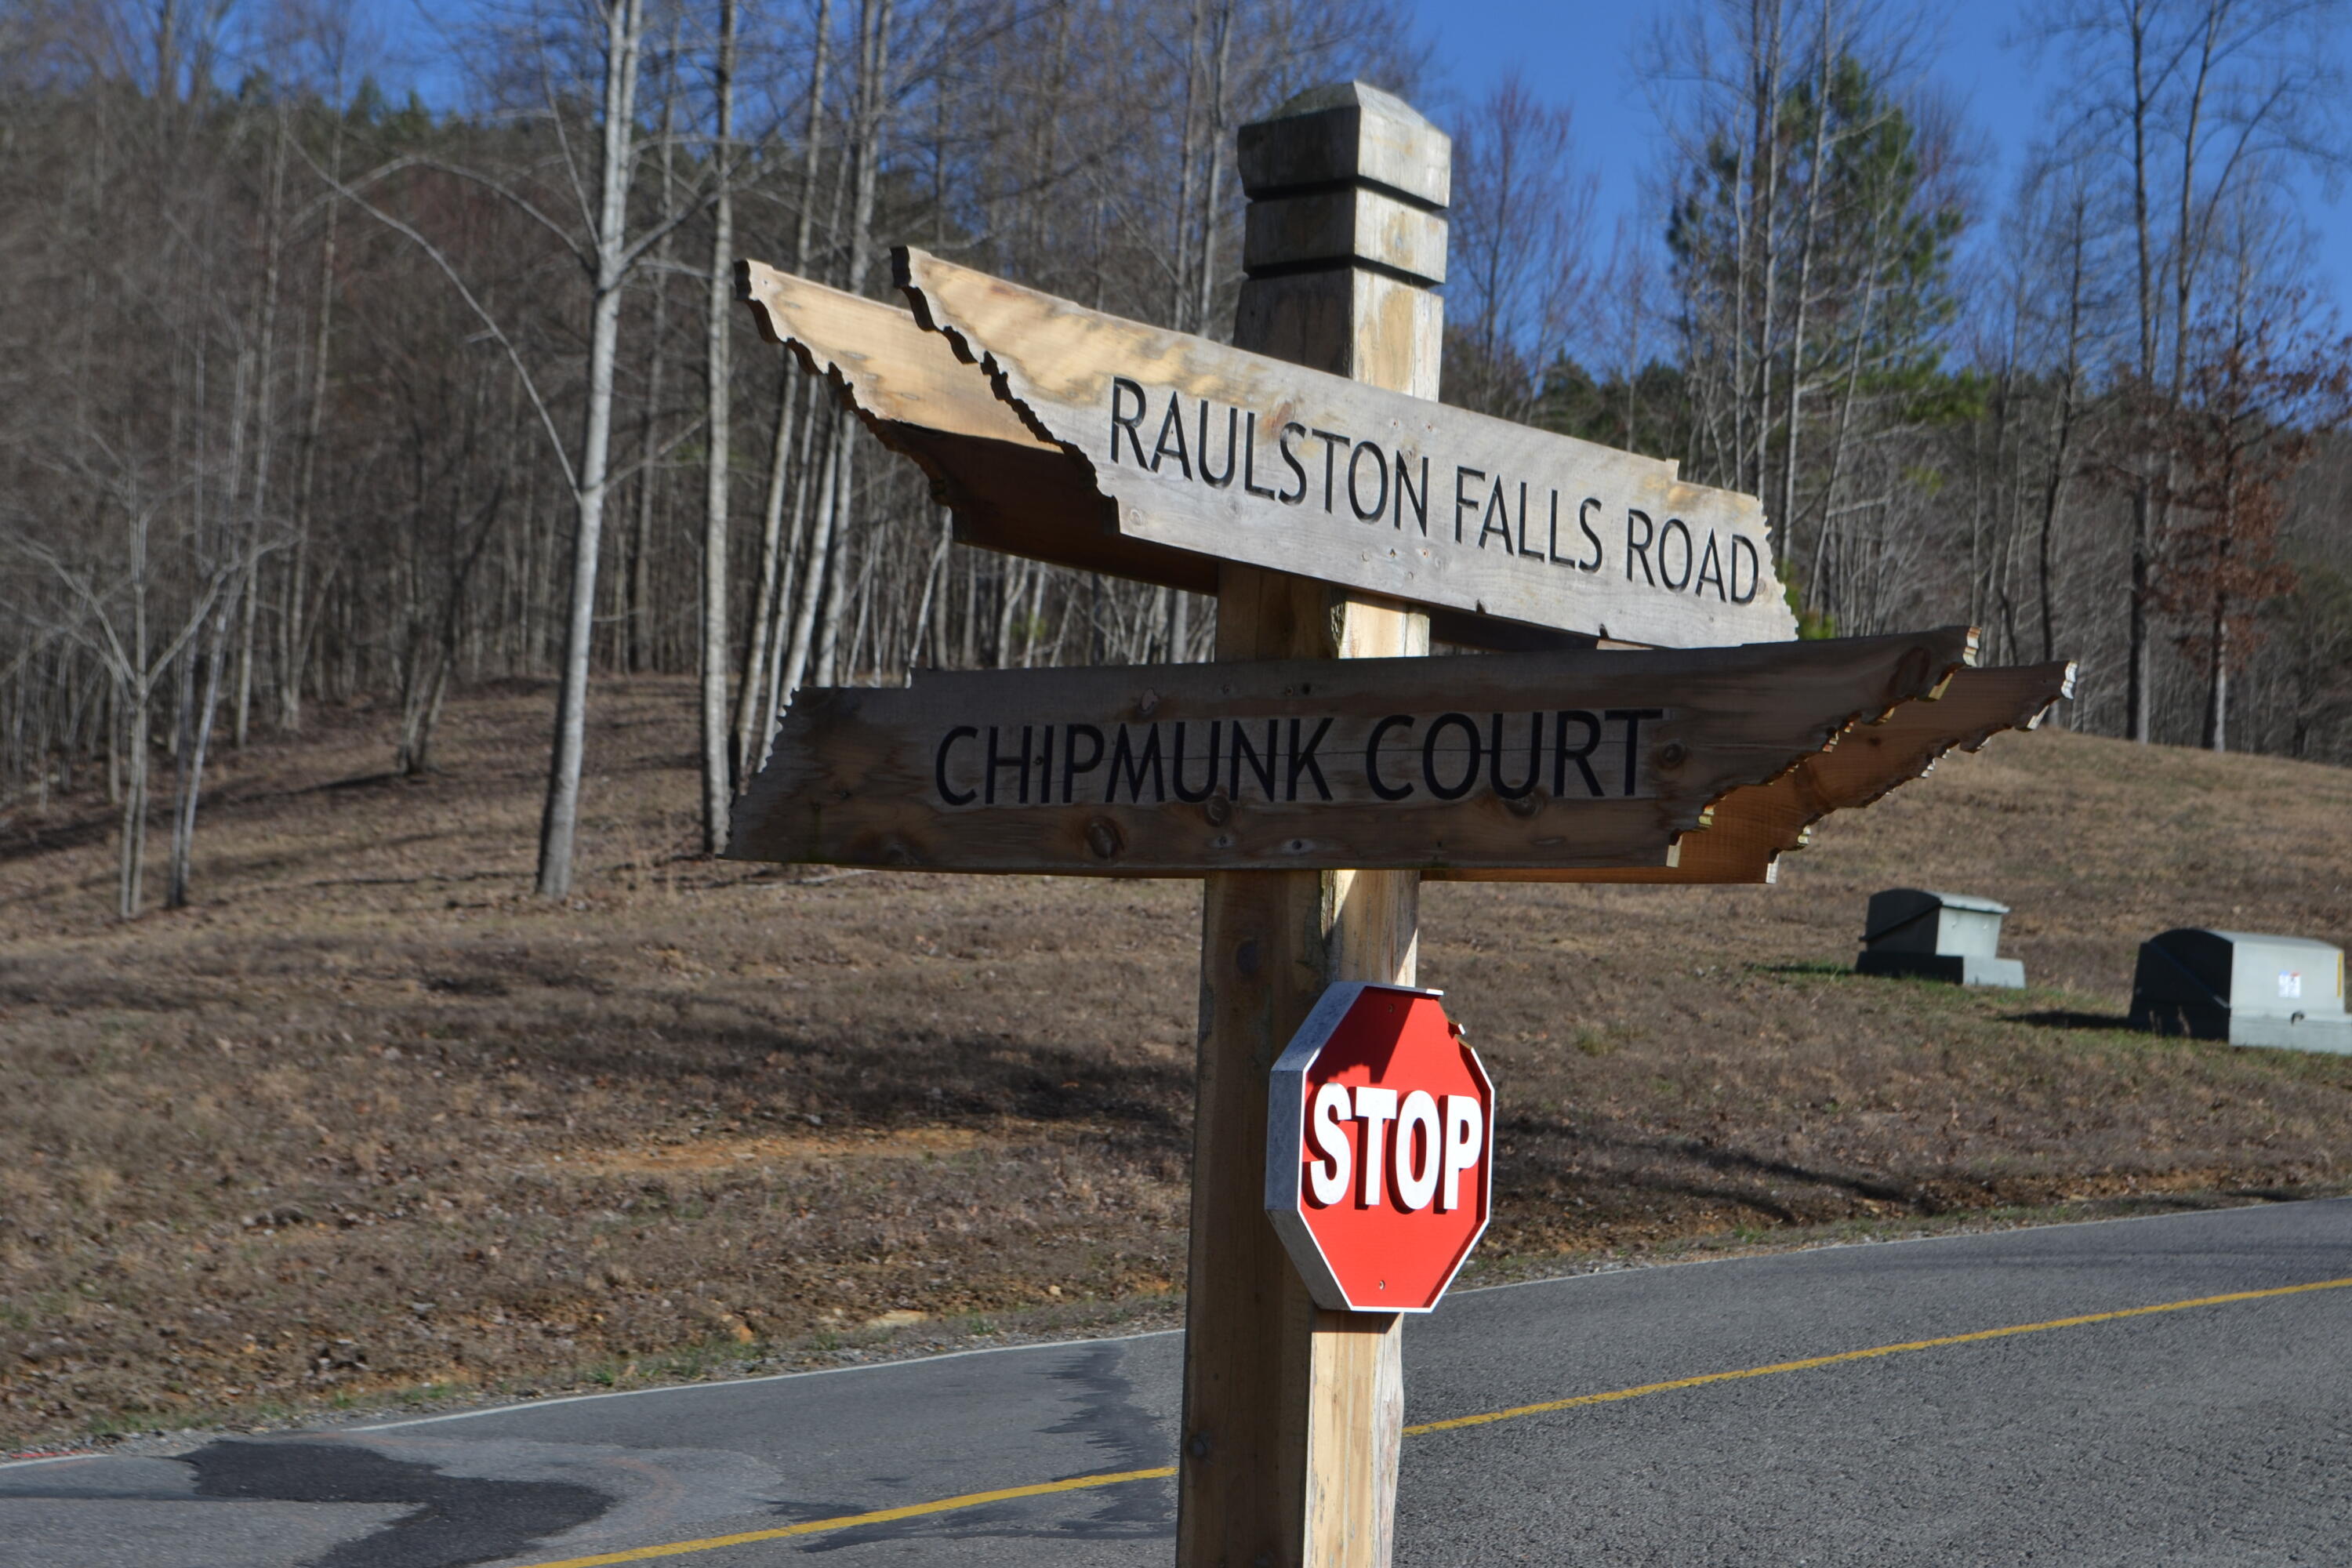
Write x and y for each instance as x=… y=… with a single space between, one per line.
x=2210 y=1433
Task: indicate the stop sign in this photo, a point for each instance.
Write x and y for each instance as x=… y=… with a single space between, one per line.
x=1380 y=1139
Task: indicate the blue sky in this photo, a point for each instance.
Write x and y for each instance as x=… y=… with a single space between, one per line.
x=1582 y=54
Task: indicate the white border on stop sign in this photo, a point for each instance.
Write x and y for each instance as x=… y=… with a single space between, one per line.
x=1286 y=1147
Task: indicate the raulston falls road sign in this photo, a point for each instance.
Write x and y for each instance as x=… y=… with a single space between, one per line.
x=1467 y=764
x=1184 y=452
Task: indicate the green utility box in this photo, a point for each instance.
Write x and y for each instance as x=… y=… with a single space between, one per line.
x=2247 y=989
x=1936 y=936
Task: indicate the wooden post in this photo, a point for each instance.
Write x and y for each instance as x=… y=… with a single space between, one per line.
x=1293 y=1416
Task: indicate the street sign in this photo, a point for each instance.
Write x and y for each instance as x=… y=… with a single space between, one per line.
x=1560 y=536
x=1246 y=458
x=1869 y=760
x=1475 y=761
x=1380 y=1149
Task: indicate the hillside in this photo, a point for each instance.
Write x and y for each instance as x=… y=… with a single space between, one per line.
x=371 y=1119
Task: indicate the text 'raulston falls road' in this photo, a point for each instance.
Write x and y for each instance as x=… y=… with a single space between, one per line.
x=1200 y=442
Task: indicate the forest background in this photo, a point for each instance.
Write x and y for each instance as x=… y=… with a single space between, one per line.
x=314 y=391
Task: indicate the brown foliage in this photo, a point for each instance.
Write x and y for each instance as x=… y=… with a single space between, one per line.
x=2261 y=394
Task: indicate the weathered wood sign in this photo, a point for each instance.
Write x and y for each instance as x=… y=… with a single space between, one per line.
x=1245 y=458
x=1557 y=535
x=1581 y=759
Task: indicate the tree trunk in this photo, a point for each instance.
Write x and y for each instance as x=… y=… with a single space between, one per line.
x=873 y=100
x=921 y=623
x=968 y=654
x=2217 y=679
x=1805 y=247
x=296 y=620
x=718 y=780
x=637 y=651
x=811 y=583
x=755 y=705
x=2138 y=694
x=192 y=758
x=753 y=682
x=788 y=636
x=559 y=826
x=836 y=556
x=132 y=865
x=265 y=433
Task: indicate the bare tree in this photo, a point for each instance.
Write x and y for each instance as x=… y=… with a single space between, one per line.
x=1521 y=265
x=718 y=772
x=1814 y=210
x=614 y=257
x=2189 y=103
x=115 y=617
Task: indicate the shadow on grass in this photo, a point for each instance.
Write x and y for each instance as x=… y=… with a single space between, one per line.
x=1697 y=1171
x=1818 y=967
x=358 y=781
x=2068 y=1018
x=22 y=840
x=879 y=1074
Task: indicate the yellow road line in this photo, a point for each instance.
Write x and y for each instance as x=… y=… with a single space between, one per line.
x=1872 y=1353
x=851 y=1520
x=1117 y=1477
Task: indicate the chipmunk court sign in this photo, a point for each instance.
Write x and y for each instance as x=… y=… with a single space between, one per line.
x=1491 y=761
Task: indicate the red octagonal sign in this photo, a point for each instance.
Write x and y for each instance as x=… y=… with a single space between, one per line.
x=1380 y=1139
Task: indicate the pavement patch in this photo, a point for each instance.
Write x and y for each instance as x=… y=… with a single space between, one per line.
x=1163 y=1472
x=453 y=1520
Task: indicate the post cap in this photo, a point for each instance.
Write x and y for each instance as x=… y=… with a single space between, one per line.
x=1348 y=132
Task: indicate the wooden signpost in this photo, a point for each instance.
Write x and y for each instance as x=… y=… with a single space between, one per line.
x=1308 y=476
x=1010 y=489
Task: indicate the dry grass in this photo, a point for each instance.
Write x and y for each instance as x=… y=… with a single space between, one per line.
x=370 y=1118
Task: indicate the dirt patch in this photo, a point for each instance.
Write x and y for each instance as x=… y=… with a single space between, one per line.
x=370 y=1117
